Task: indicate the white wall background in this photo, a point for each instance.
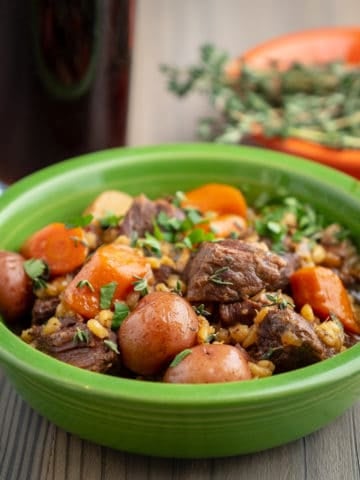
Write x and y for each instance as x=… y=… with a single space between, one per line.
x=171 y=31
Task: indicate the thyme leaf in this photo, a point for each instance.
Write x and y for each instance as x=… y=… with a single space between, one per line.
x=216 y=277
x=111 y=345
x=81 y=336
x=316 y=103
x=279 y=301
x=200 y=310
x=85 y=283
x=180 y=356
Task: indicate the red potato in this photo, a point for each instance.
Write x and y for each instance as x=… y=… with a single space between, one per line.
x=16 y=295
x=162 y=325
x=210 y=363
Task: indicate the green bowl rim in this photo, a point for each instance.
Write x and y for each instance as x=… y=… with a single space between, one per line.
x=14 y=353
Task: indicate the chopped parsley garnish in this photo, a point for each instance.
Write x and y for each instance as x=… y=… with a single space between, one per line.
x=158 y=234
x=85 y=283
x=81 y=221
x=195 y=237
x=194 y=216
x=178 y=288
x=273 y=223
x=111 y=346
x=216 y=277
x=38 y=271
x=185 y=243
x=150 y=243
x=182 y=231
x=198 y=235
x=81 y=336
x=121 y=311
x=141 y=285
x=106 y=294
x=167 y=228
x=168 y=223
x=180 y=356
x=110 y=220
x=179 y=197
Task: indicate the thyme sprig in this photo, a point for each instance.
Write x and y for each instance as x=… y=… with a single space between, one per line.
x=81 y=336
x=317 y=103
x=217 y=276
x=278 y=300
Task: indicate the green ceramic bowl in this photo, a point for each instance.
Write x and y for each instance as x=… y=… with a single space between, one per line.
x=178 y=420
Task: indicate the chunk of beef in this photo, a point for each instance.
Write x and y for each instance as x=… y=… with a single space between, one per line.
x=43 y=309
x=162 y=273
x=246 y=310
x=142 y=213
x=74 y=343
x=239 y=312
x=232 y=270
x=288 y=340
x=293 y=263
x=341 y=255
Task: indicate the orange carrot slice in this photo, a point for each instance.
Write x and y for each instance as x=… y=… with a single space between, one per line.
x=224 y=225
x=323 y=289
x=116 y=263
x=217 y=197
x=63 y=249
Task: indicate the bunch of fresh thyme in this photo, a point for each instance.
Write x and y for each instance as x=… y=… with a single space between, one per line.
x=317 y=103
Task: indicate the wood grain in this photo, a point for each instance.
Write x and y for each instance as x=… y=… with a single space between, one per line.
x=33 y=448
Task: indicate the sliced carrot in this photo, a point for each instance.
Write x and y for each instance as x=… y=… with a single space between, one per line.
x=110 y=263
x=63 y=249
x=224 y=225
x=324 y=291
x=217 y=197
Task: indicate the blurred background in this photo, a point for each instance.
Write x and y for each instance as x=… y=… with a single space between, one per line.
x=171 y=31
x=83 y=75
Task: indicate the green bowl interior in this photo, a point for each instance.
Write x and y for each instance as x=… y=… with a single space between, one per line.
x=60 y=192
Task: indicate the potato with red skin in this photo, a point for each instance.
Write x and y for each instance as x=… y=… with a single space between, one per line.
x=16 y=295
x=210 y=363
x=162 y=325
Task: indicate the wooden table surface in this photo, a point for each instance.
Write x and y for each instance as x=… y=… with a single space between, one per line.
x=169 y=31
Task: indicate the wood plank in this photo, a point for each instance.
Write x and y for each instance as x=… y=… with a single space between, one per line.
x=31 y=447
